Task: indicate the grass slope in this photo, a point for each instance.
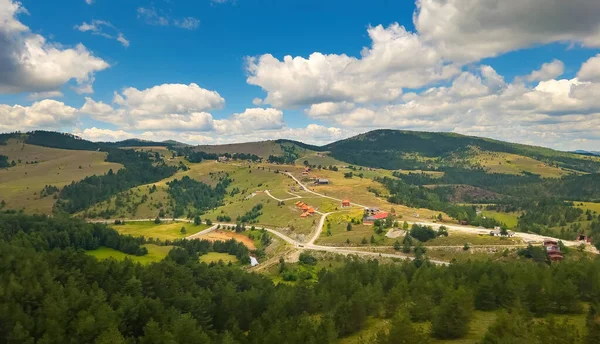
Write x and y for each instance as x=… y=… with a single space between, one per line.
x=155 y=254
x=20 y=186
x=215 y=257
x=163 y=231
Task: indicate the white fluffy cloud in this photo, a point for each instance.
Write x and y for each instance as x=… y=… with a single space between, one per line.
x=45 y=114
x=98 y=27
x=313 y=133
x=548 y=71
x=29 y=63
x=397 y=59
x=466 y=30
x=553 y=112
x=251 y=120
x=590 y=70
x=167 y=107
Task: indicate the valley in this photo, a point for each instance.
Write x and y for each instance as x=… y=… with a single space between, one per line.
x=295 y=214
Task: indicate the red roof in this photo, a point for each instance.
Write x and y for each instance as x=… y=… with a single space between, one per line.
x=379 y=216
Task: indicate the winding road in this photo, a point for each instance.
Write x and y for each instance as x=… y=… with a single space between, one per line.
x=310 y=244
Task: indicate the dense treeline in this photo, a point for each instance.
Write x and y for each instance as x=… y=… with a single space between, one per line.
x=45 y=233
x=194 y=156
x=60 y=295
x=140 y=168
x=191 y=250
x=201 y=196
x=290 y=155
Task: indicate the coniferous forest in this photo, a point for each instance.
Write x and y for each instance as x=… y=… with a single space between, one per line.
x=52 y=292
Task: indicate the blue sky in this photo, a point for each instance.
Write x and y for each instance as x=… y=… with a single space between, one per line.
x=214 y=71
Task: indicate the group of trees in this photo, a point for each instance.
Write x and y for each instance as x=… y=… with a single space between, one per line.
x=186 y=192
x=52 y=292
x=435 y=199
x=290 y=155
x=425 y=233
x=252 y=215
x=4 y=161
x=196 y=156
x=140 y=168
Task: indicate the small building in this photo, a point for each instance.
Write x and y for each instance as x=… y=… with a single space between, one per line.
x=584 y=238
x=304 y=207
x=373 y=211
x=321 y=181
x=369 y=220
x=222 y=159
x=464 y=222
x=498 y=233
x=311 y=210
x=345 y=203
x=304 y=215
x=553 y=250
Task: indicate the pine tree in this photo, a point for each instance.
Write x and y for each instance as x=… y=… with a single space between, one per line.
x=452 y=317
x=593 y=325
x=485 y=296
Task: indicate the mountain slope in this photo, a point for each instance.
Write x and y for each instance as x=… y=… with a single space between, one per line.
x=395 y=149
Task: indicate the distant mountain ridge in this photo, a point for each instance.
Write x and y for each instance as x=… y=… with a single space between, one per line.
x=384 y=148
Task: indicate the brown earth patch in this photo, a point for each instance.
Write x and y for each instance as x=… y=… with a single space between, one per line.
x=225 y=235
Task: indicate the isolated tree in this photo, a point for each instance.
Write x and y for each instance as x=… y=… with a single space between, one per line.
x=372 y=239
x=183 y=231
x=397 y=245
x=349 y=227
x=157 y=220
x=439 y=217
x=364 y=241
x=208 y=222
x=197 y=220
x=389 y=220
x=405 y=226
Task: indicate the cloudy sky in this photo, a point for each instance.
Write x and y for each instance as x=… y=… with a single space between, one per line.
x=219 y=71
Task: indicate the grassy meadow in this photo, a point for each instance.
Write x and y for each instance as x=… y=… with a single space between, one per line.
x=496 y=162
x=162 y=231
x=511 y=220
x=20 y=186
x=155 y=254
x=215 y=257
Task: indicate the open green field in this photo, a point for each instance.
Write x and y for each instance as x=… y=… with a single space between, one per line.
x=594 y=207
x=155 y=254
x=356 y=189
x=456 y=238
x=215 y=257
x=273 y=215
x=20 y=186
x=162 y=231
x=496 y=162
x=479 y=324
x=319 y=158
x=337 y=223
x=511 y=220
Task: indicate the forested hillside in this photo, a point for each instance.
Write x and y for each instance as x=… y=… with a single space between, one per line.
x=53 y=292
x=396 y=149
